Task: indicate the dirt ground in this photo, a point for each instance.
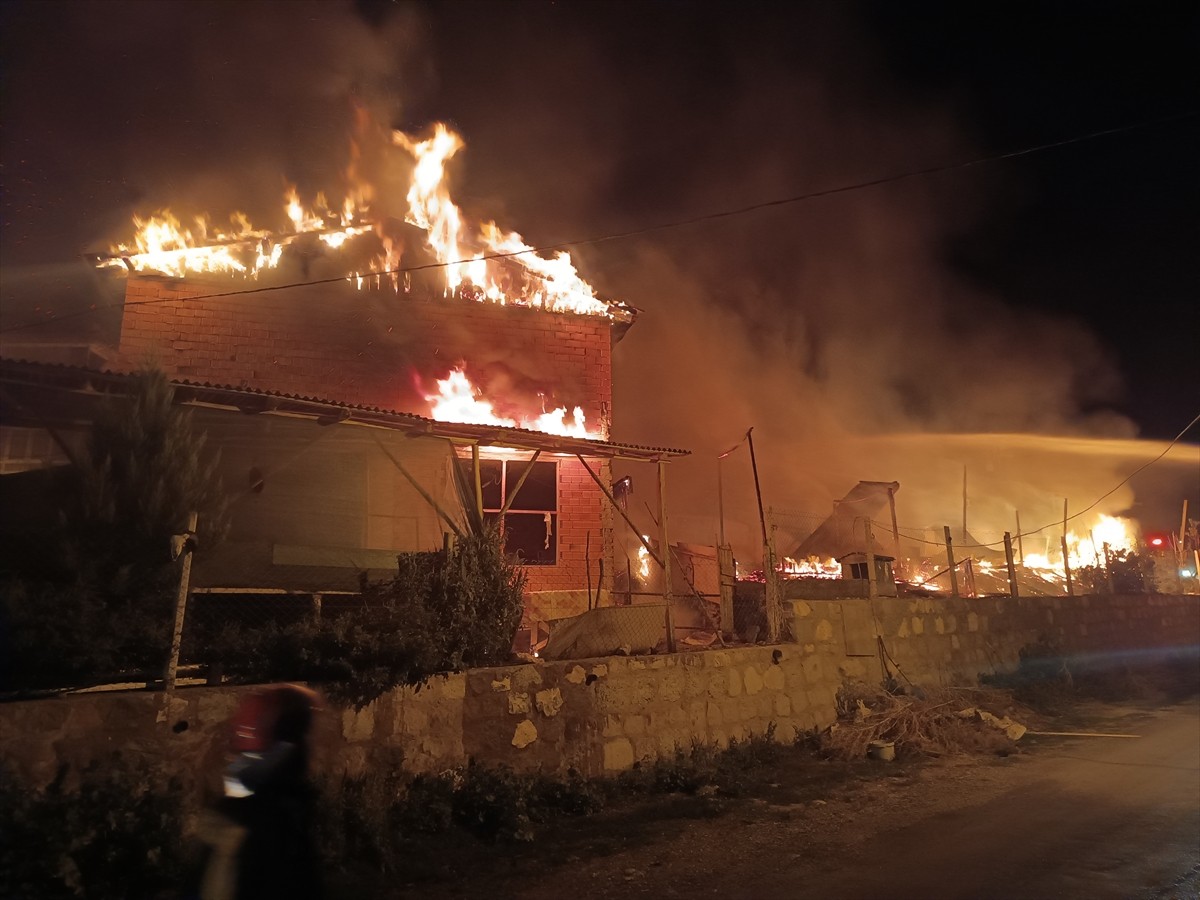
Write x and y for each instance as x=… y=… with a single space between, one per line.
x=1063 y=817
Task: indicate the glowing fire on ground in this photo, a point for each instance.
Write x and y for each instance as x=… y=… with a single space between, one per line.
x=1084 y=549
x=519 y=276
x=812 y=567
x=458 y=400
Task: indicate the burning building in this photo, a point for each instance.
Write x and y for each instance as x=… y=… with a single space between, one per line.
x=355 y=387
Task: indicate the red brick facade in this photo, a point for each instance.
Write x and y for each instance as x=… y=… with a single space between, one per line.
x=378 y=348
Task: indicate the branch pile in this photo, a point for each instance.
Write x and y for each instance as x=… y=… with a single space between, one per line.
x=933 y=723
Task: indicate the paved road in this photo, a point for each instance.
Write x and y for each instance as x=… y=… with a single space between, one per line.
x=1072 y=818
x=1095 y=817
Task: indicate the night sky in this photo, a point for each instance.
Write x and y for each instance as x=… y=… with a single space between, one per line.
x=1054 y=293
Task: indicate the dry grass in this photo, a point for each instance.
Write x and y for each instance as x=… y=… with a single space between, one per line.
x=928 y=724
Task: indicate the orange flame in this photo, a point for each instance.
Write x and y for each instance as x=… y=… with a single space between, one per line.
x=487 y=265
x=458 y=400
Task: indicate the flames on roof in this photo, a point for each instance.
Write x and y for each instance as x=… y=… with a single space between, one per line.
x=483 y=263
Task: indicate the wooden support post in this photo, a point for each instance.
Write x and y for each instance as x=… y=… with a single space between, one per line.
x=1020 y=540
x=727 y=578
x=587 y=564
x=774 y=591
x=664 y=544
x=762 y=519
x=1012 y=568
x=181 y=599
x=872 y=589
x=600 y=583
x=316 y=605
x=953 y=569
x=721 y=506
x=478 y=478
x=1181 y=544
x=895 y=527
x=1066 y=559
x=617 y=506
x=964 y=531
x=516 y=488
x=1067 y=569
x=1108 y=568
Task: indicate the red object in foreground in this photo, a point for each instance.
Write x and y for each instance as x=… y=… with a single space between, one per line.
x=266 y=716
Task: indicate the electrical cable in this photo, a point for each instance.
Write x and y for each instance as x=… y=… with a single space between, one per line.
x=662 y=226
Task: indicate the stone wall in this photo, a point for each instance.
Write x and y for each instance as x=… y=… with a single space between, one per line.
x=601 y=715
x=949 y=641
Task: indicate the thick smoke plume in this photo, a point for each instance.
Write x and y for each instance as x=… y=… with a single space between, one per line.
x=836 y=328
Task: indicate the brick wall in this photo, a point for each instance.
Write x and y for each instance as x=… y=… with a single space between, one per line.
x=372 y=348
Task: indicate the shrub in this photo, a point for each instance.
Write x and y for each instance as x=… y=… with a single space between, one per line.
x=116 y=835
x=444 y=611
x=58 y=635
x=97 y=598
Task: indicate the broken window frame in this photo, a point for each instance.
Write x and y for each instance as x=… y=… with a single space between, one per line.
x=510 y=472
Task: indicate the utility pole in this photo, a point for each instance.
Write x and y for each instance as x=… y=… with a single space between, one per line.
x=1066 y=559
x=964 y=531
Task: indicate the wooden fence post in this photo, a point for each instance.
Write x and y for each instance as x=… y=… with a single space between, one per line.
x=181 y=598
x=950 y=562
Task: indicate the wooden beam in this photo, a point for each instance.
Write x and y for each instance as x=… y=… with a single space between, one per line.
x=512 y=495
x=664 y=542
x=617 y=506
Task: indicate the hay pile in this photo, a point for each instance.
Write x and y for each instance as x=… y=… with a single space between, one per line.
x=926 y=723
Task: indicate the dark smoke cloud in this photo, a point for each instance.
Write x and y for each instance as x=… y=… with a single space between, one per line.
x=120 y=107
x=813 y=323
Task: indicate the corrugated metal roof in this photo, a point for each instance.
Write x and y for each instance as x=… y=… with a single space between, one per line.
x=330 y=411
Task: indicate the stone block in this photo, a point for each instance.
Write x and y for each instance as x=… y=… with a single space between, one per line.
x=519 y=705
x=618 y=755
x=752 y=680
x=358 y=725
x=713 y=716
x=773 y=678
x=576 y=676
x=672 y=686
x=454 y=687
x=634 y=726
x=734 y=686
x=526 y=677
x=783 y=705
x=525 y=734
x=549 y=702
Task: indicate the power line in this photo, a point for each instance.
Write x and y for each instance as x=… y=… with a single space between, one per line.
x=661 y=226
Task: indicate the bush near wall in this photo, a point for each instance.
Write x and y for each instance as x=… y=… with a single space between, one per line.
x=444 y=611
x=117 y=832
